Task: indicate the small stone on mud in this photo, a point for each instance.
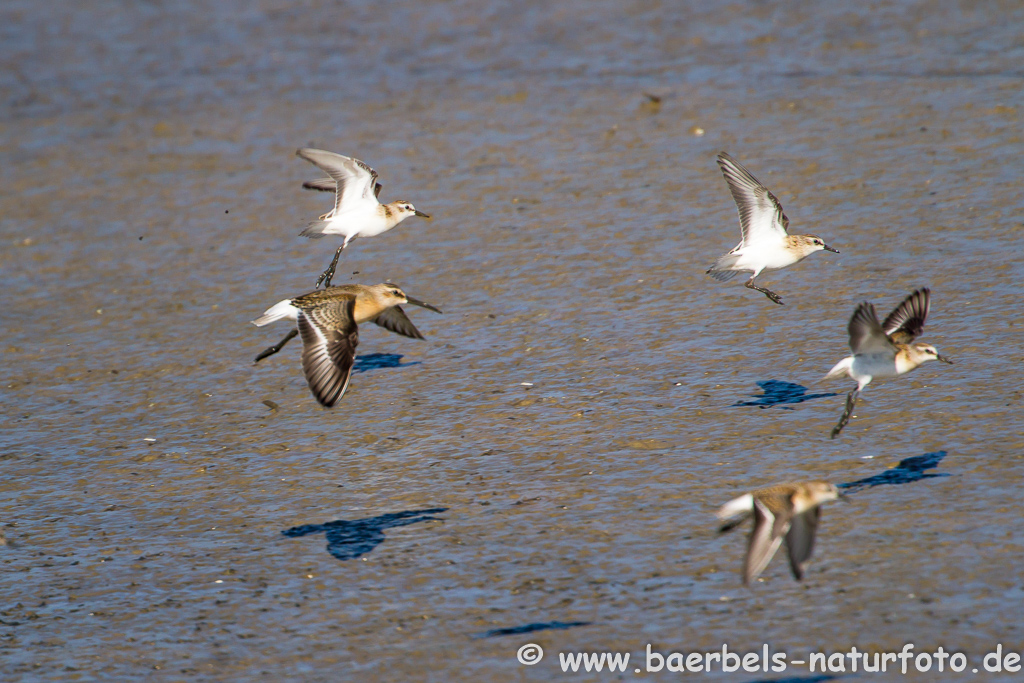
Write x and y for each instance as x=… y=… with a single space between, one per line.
x=270 y=404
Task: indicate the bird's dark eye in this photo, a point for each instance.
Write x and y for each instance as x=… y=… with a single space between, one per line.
x=818 y=242
x=396 y=292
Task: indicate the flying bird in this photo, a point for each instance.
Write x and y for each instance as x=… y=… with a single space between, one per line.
x=327 y=321
x=884 y=349
x=765 y=242
x=356 y=212
x=790 y=511
x=380 y=304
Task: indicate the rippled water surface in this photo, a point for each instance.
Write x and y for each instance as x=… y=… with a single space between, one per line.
x=545 y=466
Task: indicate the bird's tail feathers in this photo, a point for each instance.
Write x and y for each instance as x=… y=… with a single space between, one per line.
x=841 y=369
x=723 y=268
x=282 y=309
x=740 y=507
x=314 y=230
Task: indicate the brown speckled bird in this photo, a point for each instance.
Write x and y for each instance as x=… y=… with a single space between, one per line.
x=790 y=511
x=328 y=322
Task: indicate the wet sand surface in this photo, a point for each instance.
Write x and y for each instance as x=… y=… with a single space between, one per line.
x=554 y=451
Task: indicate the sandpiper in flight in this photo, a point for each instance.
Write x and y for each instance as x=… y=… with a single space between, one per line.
x=765 y=242
x=886 y=349
x=356 y=212
x=792 y=511
x=380 y=304
x=326 y=320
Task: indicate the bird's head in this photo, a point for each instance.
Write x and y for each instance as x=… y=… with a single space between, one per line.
x=402 y=209
x=921 y=353
x=822 y=491
x=389 y=294
x=808 y=244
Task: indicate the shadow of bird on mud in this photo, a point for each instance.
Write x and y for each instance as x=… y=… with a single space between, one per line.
x=364 y=363
x=781 y=394
x=349 y=539
x=908 y=470
x=530 y=628
x=380 y=361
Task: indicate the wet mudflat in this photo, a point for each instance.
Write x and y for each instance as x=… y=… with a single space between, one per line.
x=553 y=453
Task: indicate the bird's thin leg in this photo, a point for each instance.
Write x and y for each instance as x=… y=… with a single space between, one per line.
x=767 y=292
x=326 y=276
x=277 y=347
x=329 y=273
x=851 y=401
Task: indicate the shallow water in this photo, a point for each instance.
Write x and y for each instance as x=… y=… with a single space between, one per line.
x=149 y=208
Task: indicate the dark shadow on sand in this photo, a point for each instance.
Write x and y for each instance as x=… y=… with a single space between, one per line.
x=909 y=470
x=379 y=361
x=349 y=539
x=781 y=394
x=530 y=628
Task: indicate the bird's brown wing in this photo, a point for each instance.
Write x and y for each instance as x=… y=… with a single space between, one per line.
x=906 y=321
x=395 y=320
x=765 y=539
x=329 y=339
x=866 y=335
x=800 y=540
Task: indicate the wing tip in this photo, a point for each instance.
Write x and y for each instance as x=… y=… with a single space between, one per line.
x=321 y=185
x=864 y=308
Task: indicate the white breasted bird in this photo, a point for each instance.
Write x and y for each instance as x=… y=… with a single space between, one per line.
x=884 y=349
x=356 y=212
x=765 y=242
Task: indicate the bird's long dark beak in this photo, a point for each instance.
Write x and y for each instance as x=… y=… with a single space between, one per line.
x=943 y=359
x=423 y=304
x=828 y=248
x=420 y=214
